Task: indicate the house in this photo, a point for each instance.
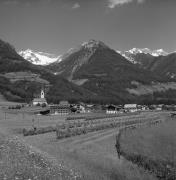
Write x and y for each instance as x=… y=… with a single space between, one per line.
x=130 y=107
x=112 y=109
x=80 y=108
x=142 y=108
x=40 y=101
x=159 y=107
x=63 y=108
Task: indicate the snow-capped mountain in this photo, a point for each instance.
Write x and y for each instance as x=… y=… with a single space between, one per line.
x=158 y=52
x=39 y=58
x=133 y=53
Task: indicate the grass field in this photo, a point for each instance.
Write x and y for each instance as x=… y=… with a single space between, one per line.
x=92 y=155
x=156 y=142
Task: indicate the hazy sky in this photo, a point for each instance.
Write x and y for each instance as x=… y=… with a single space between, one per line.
x=57 y=25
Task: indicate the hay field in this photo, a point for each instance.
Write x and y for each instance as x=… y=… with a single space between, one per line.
x=14 y=122
x=92 y=155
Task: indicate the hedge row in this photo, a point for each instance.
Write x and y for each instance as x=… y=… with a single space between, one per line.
x=88 y=118
x=75 y=118
x=41 y=130
x=66 y=131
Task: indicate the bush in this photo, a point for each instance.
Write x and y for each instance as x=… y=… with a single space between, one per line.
x=41 y=130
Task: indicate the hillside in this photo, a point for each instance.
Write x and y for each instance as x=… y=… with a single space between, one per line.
x=157 y=61
x=165 y=65
x=106 y=73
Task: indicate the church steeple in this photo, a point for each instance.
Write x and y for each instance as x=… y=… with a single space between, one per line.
x=42 y=94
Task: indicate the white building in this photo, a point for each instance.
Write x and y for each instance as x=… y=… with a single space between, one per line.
x=40 y=101
x=130 y=107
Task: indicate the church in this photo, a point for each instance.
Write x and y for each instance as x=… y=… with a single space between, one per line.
x=40 y=101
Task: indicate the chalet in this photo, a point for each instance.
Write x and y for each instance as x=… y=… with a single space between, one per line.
x=112 y=109
x=130 y=107
x=63 y=108
x=40 y=101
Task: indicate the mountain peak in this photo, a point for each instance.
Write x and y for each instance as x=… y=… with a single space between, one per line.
x=93 y=44
x=158 y=52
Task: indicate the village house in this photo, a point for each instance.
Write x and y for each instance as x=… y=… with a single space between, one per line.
x=112 y=109
x=142 y=107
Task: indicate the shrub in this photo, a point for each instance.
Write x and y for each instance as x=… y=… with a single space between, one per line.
x=41 y=130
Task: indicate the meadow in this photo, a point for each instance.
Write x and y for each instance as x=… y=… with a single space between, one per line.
x=91 y=155
x=157 y=142
x=155 y=146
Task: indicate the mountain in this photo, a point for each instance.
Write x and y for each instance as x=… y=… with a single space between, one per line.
x=93 y=58
x=158 y=61
x=142 y=56
x=159 y=52
x=92 y=72
x=21 y=80
x=39 y=58
x=164 y=65
x=96 y=67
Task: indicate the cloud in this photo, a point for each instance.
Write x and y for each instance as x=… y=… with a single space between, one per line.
x=113 y=3
x=76 y=6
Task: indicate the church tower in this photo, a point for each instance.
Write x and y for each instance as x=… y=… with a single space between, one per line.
x=42 y=94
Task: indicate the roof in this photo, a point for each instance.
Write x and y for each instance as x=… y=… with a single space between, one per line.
x=39 y=100
x=130 y=106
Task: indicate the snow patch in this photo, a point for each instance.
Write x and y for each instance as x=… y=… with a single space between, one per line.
x=39 y=58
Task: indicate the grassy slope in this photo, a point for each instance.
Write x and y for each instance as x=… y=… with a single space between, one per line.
x=19 y=161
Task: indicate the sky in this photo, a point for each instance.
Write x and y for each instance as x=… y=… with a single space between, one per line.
x=55 y=26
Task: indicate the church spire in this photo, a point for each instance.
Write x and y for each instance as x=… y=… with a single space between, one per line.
x=42 y=94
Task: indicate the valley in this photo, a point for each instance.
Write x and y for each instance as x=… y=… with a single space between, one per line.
x=92 y=156
x=87 y=90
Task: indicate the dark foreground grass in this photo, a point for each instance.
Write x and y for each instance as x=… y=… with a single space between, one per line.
x=19 y=161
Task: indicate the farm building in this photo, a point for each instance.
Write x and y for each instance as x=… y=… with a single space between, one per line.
x=112 y=109
x=130 y=107
x=62 y=108
x=40 y=101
